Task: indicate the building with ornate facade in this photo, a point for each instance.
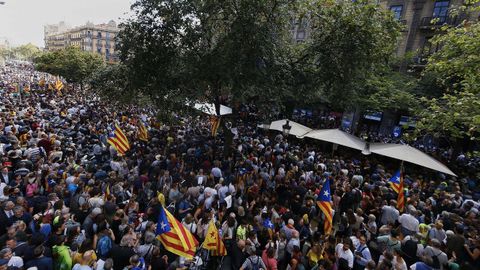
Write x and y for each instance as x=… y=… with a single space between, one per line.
x=99 y=38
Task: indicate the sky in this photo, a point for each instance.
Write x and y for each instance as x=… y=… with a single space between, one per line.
x=22 y=21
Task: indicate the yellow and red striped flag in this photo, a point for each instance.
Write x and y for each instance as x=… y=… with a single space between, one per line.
x=119 y=140
x=401 y=195
x=58 y=84
x=107 y=193
x=142 y=132
x=324 y=202
x=213 y=241
x=215 y=122
x=174 y=236
x=42 y=82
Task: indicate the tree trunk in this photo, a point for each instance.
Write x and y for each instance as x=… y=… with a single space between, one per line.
x=228 y=135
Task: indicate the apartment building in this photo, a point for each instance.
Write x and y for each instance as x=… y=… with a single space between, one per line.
x=99 y=38
x=422 y=19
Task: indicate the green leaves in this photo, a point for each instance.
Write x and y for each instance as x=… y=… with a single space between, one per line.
x=74 y=65
x=182 y=50
x=457 y=66
x=350 y=42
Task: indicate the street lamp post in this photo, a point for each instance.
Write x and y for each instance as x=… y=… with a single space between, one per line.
x=286 y=128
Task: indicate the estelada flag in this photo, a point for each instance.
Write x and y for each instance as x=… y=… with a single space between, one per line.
x=213 y=241
x=174 y=236
x=395 y=181
x=118 y=140
x=324 y=202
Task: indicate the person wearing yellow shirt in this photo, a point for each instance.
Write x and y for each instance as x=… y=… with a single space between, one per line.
x=315 y=254
x=85 y=248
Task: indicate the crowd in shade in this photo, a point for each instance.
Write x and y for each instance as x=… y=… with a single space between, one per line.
x=71 y=198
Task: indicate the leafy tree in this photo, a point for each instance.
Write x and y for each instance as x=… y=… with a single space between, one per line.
x=174 y=51
x=26 y=52
x=456 y=65
x=350 y=44
x=74 y=65
x=390 y=90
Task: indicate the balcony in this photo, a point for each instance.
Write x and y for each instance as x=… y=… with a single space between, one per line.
x=429 y=23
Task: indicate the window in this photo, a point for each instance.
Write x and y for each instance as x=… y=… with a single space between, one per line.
x=440 y=10
x=397 y=11
x=99 y=35
x=300 y=35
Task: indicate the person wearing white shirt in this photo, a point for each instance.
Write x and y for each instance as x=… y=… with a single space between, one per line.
x=389 y=213
x=342 y=251
x=362 y=253
x=409 y=224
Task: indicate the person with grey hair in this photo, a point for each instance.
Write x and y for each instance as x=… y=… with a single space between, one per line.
x=434 y=257
x=253 y=261
x=146 y=249
x=6 y=216
x=13 y=261
x=122 y=253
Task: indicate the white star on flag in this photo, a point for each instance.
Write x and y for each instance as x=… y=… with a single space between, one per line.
x=163 y=225
x=326 y=193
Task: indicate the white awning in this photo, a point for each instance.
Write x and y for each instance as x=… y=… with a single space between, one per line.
x=296 y=130
x=338 y=137
x=409 y=154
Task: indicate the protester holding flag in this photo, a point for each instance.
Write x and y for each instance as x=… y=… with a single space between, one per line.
x=91 y=170
x=324 y=202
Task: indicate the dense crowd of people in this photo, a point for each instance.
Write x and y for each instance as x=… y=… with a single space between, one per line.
x=70 y=201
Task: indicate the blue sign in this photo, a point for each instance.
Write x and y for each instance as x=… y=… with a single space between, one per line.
x=397 y=132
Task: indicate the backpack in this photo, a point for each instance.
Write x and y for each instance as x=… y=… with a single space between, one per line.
x=104 y=246
x=255 y=266
x=410 y=248
x=435 y=263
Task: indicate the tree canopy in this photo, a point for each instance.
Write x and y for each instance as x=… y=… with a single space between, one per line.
x=182 y=50
x=351 y=43
x=456 y=66
x=244 y=51
x=26 y=52
x=75 y=65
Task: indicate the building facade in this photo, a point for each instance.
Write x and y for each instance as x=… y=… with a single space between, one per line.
x=98 y=38
x=422 y=19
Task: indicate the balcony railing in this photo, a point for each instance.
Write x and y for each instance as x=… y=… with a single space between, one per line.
x=429 y=22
